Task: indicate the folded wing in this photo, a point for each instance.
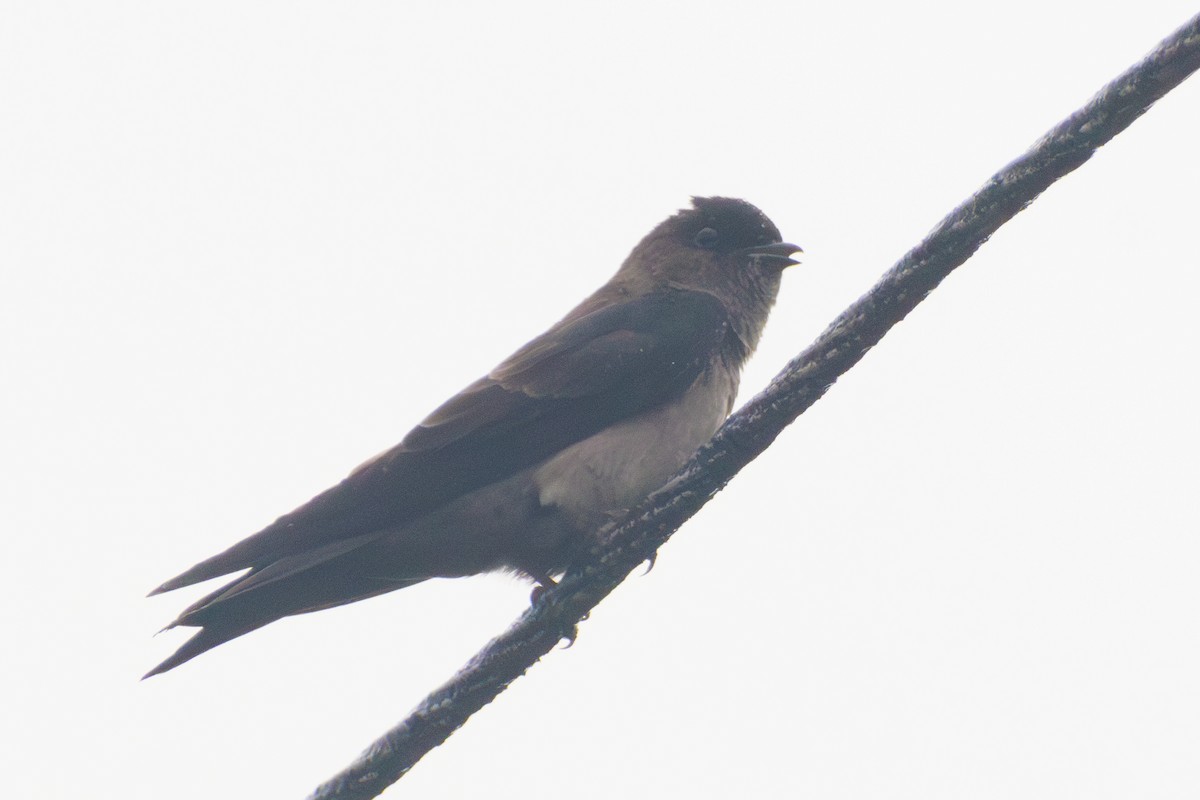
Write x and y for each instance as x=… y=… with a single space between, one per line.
x=566 y=385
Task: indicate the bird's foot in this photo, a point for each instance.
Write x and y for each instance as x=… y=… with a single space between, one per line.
x=544 y=584
x=570 y=636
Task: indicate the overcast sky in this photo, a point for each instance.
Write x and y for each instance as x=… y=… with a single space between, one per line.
x=246 y=246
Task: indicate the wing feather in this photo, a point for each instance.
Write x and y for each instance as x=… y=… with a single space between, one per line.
x=568 y=384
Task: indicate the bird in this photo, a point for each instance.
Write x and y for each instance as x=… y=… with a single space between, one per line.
x=519 y=470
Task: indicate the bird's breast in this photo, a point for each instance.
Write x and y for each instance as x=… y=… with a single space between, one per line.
x=617 y=467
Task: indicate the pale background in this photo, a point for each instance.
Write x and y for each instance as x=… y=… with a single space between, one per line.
x=247 y=245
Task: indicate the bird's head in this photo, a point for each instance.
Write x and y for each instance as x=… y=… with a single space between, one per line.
x=722 y=246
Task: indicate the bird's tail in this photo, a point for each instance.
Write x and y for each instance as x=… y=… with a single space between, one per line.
x=204 y=639
x=330 y=576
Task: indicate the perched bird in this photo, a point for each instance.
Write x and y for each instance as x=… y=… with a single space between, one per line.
x=519 y=469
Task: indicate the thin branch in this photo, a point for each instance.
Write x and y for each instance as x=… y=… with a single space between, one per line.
x=637 y=537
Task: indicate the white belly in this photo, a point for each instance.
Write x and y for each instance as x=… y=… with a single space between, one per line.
x=619 y=466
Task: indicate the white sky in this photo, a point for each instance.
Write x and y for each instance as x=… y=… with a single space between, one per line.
x=246 y=246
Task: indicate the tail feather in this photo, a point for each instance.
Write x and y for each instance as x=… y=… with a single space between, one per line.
x=232 y=560
x=203 y=640
x=330 y=576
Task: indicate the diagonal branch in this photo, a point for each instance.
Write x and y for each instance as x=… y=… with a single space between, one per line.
x=628 y=542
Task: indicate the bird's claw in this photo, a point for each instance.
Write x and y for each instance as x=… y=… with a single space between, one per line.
x=544 y=584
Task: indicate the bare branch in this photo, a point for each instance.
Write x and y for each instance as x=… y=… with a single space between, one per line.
x=751 y=430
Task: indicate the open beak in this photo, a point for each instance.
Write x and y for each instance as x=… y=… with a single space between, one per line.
x=778 y=254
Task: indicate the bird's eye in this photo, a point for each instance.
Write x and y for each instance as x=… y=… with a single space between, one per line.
x=707 y=237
